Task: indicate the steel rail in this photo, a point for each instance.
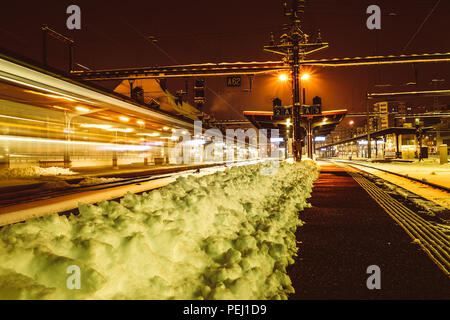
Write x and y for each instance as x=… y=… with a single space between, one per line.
x=104 y=185
x=436 y=186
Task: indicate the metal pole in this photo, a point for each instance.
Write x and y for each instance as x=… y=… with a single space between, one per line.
x=397 y=147
x=314 y=147
x=131 y=82
x=115 y=162
x=70 y=57
x=44 y=45
x=296 y=100
x=66 y=161
x=310 y=149
x=369 y=145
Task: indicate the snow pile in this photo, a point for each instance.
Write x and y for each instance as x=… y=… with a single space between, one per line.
x=431 y=162
x=55 y=185
x=33 y=172
x=228 y=235
x=94 y=180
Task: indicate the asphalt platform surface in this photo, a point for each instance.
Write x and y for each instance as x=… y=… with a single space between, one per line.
x=346 y=231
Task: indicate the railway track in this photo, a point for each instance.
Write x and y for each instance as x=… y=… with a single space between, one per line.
x=427 y=183
x=66 y=201
x=20 y=197
x=9 y=199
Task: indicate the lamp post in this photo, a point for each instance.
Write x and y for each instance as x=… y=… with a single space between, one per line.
x=294 y=46
x=369 y=145
x=351 y=123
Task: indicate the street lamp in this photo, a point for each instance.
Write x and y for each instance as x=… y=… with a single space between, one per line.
x=283 y=77
x=351 y=123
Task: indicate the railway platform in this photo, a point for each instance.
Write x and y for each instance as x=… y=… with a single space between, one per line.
x=352 y=226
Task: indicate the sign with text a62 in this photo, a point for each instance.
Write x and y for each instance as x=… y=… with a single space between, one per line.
x=234 y=81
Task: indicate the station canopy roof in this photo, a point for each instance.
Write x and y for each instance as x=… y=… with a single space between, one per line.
x=322 y=124
x=26 y=82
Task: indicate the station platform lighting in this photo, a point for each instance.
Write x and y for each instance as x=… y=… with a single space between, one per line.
x=32 y=80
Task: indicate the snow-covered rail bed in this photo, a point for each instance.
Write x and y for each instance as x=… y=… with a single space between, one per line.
x=20 y=206
x=227 y=235
x=430 y=192
x=427 y=173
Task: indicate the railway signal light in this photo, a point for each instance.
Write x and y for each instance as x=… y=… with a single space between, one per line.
x=199 y=92
x=317 y=101
x=276 y=102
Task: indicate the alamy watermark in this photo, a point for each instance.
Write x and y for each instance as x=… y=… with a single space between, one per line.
x=73 y=282
x=74 y=20
x=374 y=20
x=374 y=281
x=236 y=145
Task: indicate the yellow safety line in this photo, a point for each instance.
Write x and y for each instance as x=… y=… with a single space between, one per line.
x=400 y=209
x=403 y=211
x=422 y=242
x=407 y=211
x=416 y=229
x=425 y=230
x=434 y=242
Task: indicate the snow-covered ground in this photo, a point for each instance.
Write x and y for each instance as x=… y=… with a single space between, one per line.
x=33 y=172
x=417 y=170
x=96 y=180
x=226 y=235
x=429 y=170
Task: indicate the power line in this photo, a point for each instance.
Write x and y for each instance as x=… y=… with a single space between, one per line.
x=176 y=62
x=153 y=43
x=421 y=26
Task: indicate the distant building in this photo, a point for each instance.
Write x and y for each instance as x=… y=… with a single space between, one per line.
x=401 y=111
x=360 y=131
x=401 y=108
x=381 y=109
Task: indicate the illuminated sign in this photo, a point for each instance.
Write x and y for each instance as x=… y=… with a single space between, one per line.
x=311 y=109
x=234 y=81
x=282 y=111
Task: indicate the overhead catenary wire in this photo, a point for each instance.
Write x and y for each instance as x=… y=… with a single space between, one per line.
x=421 y=25
x=176 y=62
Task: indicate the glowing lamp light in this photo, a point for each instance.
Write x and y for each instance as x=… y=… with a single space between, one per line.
x=96 y=126
x=320 y=139
x=195 y=142
x=351 y=122
x=305 y=76
x=82 y=109
x=288 y=122
x=276 y=139
x=283 y=77
x=126 y=148
x=127 y=130
x=140 y=122
x=155 y=134
x=124 y=119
